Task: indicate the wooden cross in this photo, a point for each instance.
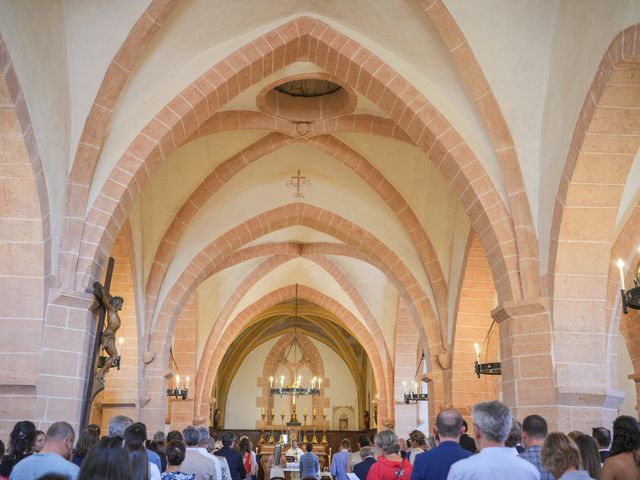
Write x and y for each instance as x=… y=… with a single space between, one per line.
x=299 y=181
x=91 y=373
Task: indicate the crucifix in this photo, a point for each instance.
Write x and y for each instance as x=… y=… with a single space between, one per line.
x=107 y=308
x=299 y=181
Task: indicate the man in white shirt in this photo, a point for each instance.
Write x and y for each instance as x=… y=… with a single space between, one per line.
x=220 y=463
x=295 y=451
x=491 y=426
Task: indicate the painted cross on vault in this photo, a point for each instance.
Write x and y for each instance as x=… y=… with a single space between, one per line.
x=298 y=181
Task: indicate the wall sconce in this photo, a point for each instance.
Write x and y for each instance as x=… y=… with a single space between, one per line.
x=414 y=394
x=494 y=368
x=177 y=391
x=631 y=297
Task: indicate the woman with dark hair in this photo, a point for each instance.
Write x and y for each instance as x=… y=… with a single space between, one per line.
x=589 y=454
x=139 y=461
x=39 y=443
x=626 y=438
x=88 y=438
x=107 y=460
x=248 y=457
x=175 y=436
x=21 y=441
x=175 y=451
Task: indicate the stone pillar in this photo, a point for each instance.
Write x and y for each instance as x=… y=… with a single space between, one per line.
x=528 y=384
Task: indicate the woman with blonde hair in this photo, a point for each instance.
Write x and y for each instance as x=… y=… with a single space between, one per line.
x=561 y=457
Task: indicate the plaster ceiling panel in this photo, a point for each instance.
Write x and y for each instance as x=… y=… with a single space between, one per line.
x=199 y=33
x=422 y=186
x=295 y=234
x=303 y=272
x=213 y=293
x=262 y=186
x=178 y=177
x=380 y=295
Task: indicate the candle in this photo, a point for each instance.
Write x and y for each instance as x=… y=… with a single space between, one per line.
x=476 y=347
x=281 y=380
x=299 y=380
x=305 y=411
x=177 y=381
x=270 y=382
x=319 y=382
x=262 y=411
x=416 y=385
x=621 y=267
x=120 y=342
x=404 y=385
x=187 y=383
x=314 y=412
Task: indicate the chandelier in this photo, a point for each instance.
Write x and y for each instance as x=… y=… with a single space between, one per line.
x=631 y=297
x=414 y=394
x=295 y=351
x=493 y=368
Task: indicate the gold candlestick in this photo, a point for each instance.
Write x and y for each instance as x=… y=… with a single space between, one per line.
x=304 y=437
x=261 y=439
x=324 y=431
x=314 y=439
x=272 y=439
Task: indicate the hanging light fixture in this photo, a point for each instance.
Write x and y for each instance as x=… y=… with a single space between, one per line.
x=493 y=368
x=295 y=351
x=414 y=394
x=178 y=391
x=631 y=297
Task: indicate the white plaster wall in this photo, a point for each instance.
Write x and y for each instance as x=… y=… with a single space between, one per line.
x=34 y=33
x=294 y=234
x=214 y=293
x=574 y=64
x=95 y=31
x=241 y=412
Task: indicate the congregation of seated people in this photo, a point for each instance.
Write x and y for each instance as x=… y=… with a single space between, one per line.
x=496 y=447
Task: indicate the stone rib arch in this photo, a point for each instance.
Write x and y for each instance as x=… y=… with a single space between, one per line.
x=342 y=153
x=95 y=130
x=305 y=39
x=354 y=123
x=25 y=251
x=596 y=169
x=478 y=86
x=370 y=323
x=244 y=318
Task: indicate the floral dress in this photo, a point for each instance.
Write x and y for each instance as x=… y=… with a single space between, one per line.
x=178 y=476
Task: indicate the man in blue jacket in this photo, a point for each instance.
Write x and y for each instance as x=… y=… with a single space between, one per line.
x=435 y=464
x=234 y=459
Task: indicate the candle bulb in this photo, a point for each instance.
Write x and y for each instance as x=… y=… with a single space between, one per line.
x=305 y=411
x=314 y=412
x=416 y=385
x=621 y=268
x=281 y=381
x=178 y=381
x=299 y=380
x=270 y=382
x=120 y=342
x=187 y=383
x=476 y=347
x=319 y=382
x=262 y=411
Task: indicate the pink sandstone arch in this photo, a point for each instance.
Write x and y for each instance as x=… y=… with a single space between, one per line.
x=316 y=218
x=205 y=371
x=244 y=318
x=595 y=173
x=305 y=39
x=266 y=145
x=248 y=119
x=25 y=240
x=95 y=130
x=485 y=100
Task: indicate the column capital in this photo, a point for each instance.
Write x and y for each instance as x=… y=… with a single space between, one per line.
x=518 y=308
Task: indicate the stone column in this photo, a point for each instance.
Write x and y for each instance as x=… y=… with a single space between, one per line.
x=528 y=384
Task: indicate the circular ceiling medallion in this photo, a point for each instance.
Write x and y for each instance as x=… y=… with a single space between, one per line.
x=309 y=87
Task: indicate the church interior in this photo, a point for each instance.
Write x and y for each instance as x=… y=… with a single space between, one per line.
x=338 y=215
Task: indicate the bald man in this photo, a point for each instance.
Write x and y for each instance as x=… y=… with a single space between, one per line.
x=435 y=464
